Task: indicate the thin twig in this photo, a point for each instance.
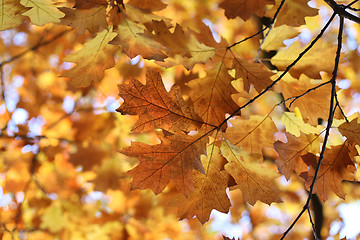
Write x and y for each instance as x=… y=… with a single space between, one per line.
x=262 y=30
x=270 y=28
x=341 y=110
x=283 y=74
x=303 y=94
x=312 y=224
x=340 y=10
x=328 y=127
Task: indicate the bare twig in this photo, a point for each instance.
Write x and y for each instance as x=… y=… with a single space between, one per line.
x=340 y=108
x=283 y=74
x=303 y=94
x=312 y=224
x=341 y=11
x=262 y=30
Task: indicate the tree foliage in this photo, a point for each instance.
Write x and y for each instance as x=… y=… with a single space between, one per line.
x=137 y=119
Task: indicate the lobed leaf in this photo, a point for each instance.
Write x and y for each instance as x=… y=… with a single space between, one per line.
x=156 y=107
x=92 y=60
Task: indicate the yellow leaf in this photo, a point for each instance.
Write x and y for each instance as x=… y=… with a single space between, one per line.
x=290 y=153
x=293 y=13
x=10 y=14
x=276 y=37
x=312 y=105
x=255 y=180
x=311 y=64
x=53 y=219
x=92 y=60
x=294 y=125
x=42 y=12
x=131 y=38
x=252 y=134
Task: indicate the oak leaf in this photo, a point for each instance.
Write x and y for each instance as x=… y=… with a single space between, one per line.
x=293 y=13
x=92 y=19
x=255 y=180
x=295 y=125
x=173 y=159
x=276 y=37
x=290 y=153
x=42 y=12
x=92 y=60
x=351 y=131
x=252 y=73
x=156 y=107
x=311 y=64
x=152 y=5
x=210 y=188
x=244 y=8
x=314 y=104
x=133 y=41
x=212 y=95
x=251 y=134
x=86 y=4
x=181 y=47
x=336 y=166
x=11 y=14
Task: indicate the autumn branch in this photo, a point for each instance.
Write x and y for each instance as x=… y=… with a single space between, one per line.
x=328 y=127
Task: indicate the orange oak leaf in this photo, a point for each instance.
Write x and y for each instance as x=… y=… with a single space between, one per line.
x=212 y=95
x=351 y=131
x=255 y=180
x=313 y=105
x=181 y=47
x=293 y=13
x=173 y=159
x=210 y=188
x=133 y=41
x=92 y=19
x=336 y=166
x=92 y=60
x=311 y=64
x=156 y=107
x=252 y=73
x=86 y=4
x=244 y=8
x=152 y=5
x=251 y=134
x=290 y=153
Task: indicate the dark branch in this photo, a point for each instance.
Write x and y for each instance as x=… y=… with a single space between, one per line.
x=328 y=127
x=283 y=74
x=262 y=30
x=341 y=11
